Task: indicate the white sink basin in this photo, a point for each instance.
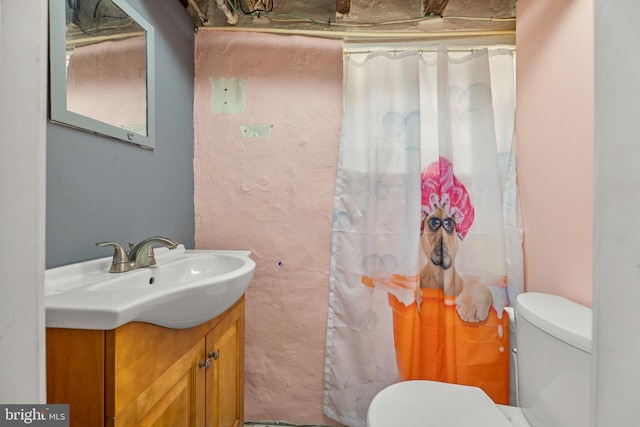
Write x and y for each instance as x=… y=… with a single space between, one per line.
x=184 y=289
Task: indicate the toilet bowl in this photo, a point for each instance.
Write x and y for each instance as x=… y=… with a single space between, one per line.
x=553 y=372
x=421 y=403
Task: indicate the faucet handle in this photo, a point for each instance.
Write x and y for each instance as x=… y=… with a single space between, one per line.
x=120 y=262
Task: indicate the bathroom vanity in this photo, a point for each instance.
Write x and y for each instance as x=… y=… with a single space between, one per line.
x=140 y=374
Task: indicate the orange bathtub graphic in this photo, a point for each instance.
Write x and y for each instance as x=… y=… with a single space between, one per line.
x=435 y=344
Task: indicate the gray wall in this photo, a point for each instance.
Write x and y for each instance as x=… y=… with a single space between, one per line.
x=101 y=189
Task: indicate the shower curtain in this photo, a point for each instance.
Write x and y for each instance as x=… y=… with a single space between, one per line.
x=427 y=241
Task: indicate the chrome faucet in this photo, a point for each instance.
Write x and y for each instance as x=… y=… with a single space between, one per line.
x=139 y=256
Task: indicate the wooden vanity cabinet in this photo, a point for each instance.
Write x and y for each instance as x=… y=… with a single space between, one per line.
x=146 y=375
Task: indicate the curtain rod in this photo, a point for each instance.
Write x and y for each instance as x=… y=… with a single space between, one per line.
x=367 y=34
x=373 y=49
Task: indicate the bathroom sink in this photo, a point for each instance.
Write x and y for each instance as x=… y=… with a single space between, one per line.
x=184 y=289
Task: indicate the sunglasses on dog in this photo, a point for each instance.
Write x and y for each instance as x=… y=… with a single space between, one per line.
x=434 y=223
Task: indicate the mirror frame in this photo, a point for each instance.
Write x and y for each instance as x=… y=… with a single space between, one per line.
x=58 y=112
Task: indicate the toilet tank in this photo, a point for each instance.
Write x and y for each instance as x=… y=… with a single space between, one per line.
x=554 y=360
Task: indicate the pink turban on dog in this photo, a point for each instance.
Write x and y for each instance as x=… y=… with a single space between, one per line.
x=440 y=188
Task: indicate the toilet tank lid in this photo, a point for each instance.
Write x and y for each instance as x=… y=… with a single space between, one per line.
x=557 y=316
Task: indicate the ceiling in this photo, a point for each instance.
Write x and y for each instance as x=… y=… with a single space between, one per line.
x=347 y=19
x=370 y=16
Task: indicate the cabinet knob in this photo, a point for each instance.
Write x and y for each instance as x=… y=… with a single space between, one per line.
x=204 y=363
x=214 y=354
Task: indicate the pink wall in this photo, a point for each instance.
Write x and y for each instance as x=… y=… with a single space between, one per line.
x=273 y=195
x=554 y=131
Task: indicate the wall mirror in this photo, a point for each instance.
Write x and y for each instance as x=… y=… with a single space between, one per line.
x=101 y=69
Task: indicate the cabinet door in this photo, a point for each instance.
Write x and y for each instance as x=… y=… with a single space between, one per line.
x=225 y=377
x=176 y=398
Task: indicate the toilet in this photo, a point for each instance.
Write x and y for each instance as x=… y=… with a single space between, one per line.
x=553 y=377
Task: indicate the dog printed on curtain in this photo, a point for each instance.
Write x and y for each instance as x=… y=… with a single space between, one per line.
x=451 y=332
